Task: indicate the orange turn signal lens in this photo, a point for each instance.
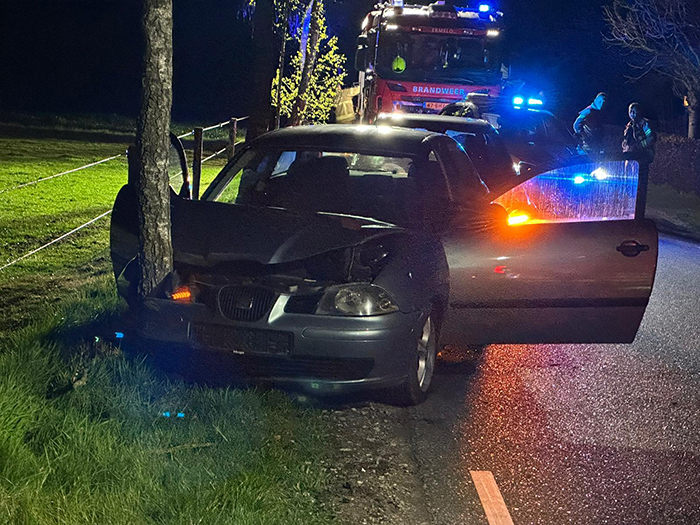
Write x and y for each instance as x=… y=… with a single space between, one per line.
x=182 y=294
x=517 y=219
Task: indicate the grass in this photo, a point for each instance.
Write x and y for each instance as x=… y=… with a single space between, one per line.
x=36 y=214
x=113 y=124
x=667 y=204
x=82 y=435
x=83 y=439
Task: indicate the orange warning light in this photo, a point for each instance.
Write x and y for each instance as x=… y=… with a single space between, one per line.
x=182 y=294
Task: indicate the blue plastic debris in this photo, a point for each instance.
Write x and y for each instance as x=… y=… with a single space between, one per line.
x=179 y=415
x=119 y=335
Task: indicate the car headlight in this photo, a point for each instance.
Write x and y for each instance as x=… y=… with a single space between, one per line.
x=356 y=300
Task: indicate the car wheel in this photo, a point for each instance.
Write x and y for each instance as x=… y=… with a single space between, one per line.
x=414 y=389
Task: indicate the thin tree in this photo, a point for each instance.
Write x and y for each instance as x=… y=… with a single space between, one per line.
x=263 y=67
x=150 y=176
x=310 y=57
x=662 y=36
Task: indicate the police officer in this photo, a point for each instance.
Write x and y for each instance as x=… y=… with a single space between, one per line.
x=589 y=126
x=639 y=139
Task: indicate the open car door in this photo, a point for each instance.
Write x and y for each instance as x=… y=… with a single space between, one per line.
x=567 y=262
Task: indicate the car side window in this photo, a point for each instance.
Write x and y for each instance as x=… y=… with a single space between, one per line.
x=463 y=179
x=605 y=191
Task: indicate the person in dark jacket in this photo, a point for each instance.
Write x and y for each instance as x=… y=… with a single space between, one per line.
x=588 y=126
x=639 y=139
x=638 y=142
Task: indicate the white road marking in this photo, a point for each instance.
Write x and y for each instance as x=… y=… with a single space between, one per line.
x=491 y=499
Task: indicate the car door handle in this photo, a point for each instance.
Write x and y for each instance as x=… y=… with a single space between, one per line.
x=632 y=248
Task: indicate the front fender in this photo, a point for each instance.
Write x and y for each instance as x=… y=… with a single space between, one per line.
x=417 y=273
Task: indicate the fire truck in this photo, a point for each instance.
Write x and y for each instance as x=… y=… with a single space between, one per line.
x=420 y=58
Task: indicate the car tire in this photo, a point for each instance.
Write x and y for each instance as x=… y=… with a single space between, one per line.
x=414 y=390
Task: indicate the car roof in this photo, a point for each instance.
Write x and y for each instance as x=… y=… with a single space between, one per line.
x=436 y=123
x=347 y=138
x=509 y=110
x=504 y=108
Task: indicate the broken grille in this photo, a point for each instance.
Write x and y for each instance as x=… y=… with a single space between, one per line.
x=245 y=303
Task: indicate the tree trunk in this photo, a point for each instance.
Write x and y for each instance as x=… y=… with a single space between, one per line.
x=152 y=148
x=263 y=68
x=310 y=63
x=280 y=64
x=694 y=122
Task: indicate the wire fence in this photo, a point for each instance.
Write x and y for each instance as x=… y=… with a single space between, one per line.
x=63 y=173
x=92 y=164
x=108 y=212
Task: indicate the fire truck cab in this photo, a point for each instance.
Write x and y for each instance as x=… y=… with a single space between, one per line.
x=418 y=59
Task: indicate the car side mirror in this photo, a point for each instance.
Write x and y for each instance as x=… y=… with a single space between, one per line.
x=177 y=169
x=480 y=217
x=361 y=53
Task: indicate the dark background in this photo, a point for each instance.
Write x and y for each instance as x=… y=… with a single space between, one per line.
x=84 y=56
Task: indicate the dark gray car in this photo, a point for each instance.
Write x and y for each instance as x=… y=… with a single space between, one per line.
x=336 y=257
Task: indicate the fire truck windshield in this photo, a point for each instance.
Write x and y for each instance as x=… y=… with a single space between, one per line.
x=436 y=58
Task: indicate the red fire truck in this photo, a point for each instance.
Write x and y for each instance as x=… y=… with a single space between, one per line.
x=418 y=59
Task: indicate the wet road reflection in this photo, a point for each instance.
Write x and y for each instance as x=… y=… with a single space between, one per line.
x=576 y=433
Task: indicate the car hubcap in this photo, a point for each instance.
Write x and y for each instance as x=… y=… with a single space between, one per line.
x=426 y=356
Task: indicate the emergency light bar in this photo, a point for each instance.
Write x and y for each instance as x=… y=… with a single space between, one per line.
x=519 y=100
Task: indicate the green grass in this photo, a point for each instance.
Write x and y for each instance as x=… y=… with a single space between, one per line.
x=82 y=436
x=36 y=214
x=83 y=439
x=681 y=209
x=109 y=123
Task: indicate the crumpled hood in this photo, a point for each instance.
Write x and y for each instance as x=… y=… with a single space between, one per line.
x=207 y=233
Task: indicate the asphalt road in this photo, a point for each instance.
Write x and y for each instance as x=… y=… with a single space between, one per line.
x=575 y=434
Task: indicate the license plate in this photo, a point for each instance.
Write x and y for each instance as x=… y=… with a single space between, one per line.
x=240 y=340
x=437 y=106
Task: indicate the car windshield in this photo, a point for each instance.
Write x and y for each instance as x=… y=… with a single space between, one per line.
x=436 y=58
x=390 y=188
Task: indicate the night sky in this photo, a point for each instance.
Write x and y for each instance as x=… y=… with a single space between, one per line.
x=83 y=56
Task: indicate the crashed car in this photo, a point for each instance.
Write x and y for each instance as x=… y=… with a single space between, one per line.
x=341 y=257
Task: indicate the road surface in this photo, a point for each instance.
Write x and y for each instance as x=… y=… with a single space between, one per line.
x=587 y=434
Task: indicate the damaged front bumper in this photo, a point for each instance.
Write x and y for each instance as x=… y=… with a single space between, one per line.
x=322 y=354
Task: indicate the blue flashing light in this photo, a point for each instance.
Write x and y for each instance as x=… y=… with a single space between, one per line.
x=535 y=102
x=398 y=3
x=166 y=414
x=579 y=179
x=119 y=335
x=484 y=8
x=518 y=100
x=181 y=415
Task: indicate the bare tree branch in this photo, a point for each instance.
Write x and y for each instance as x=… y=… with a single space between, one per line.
x=661 y=36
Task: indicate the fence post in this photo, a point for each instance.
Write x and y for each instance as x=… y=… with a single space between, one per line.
x=232 y=132
x=197 y=162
